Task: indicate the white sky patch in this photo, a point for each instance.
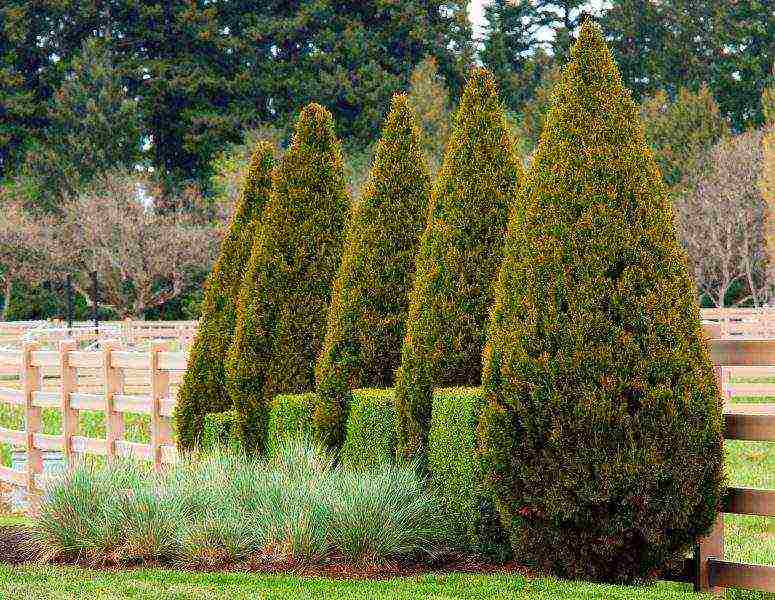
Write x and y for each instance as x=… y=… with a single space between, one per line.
x=476 y=14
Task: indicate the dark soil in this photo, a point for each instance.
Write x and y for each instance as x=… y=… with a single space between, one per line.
x=17 y=547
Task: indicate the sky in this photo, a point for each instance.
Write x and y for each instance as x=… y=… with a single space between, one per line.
x=476 y=14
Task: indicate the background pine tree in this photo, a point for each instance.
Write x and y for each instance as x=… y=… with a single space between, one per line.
x=602 y=436
x=204 y=386
x=459 y=254
x=283 y=303
x=681 y=133
x=367 y=317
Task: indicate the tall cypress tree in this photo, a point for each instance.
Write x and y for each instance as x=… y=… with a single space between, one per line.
x=283 y=303
x=204 y=385
x=602 y=434
x=367 y=316
x=460 y=251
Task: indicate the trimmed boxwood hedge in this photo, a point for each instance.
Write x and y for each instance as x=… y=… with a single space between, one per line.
x=367 y=317
x=602 y=436
x=460 y=252
x=290 y=415
x=455 y=471
x=370 y=438
x=283 y=303
x=204 y=386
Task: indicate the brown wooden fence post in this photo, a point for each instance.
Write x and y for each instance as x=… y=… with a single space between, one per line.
x=114 y=384
x=31 y=383
x=160 y=387
x=67 y=385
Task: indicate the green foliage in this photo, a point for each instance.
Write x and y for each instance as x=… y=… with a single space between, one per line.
x=458 y=257
x=215 y=510
x=371 y=48
x=684 y=43
x=204 y=386
x=367 y=316
x=429 y=99
x=456 y=475
x=229 y=166
x=512 y=52
x=602 y=435
x=94 y=126
x=534 y=111
x=219 y=430
x=681 y=133
x=290 y=416
x=370 y=441
x=283 y=303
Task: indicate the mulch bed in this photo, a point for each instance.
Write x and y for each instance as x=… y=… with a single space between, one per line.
x=16 y=547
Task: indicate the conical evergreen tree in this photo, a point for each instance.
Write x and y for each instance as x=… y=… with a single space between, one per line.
x=368 y=311
x=204 y=384
x=601 y=438
x=459 y=254
x=281 y=313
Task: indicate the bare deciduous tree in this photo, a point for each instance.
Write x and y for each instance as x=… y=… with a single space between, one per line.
x=720 y=220
x=142 y=258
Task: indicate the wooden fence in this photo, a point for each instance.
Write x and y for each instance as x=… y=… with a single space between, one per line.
x=741 y=322
x=741 y=359
x=708 y=571
x=110 y=368
x=130 y=332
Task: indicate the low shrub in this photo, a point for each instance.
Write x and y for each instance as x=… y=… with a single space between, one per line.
x=456 y=475
x=225 y=507
x=290 y=415
x=370 y=439
x=220 y=430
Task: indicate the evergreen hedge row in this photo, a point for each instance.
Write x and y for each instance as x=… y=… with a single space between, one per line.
x=370 y=432
x=458 y=258
x=290 y=415
x=602 y=435
x=204 y=386
x=283 y=302
x=455 y=472
x=366 y=320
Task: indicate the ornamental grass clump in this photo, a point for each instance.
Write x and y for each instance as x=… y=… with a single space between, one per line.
x=204 y=386
x=283 y=303
x=225 y=508
x=601 y=439
x=458 y=258
x=369 y=305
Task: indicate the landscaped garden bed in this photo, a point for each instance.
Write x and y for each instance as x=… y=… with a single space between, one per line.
x=522 y=386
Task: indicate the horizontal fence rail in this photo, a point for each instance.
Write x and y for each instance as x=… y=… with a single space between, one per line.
x=130 y=332
x=131 y=382
x=108 y=374
x=741 y=322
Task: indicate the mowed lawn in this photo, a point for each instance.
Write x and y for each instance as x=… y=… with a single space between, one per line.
x=57 y=583
x=748 y=539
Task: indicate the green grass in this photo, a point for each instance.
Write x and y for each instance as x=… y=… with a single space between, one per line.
x=14 y=520
x=748 y=539
x=92 y=424
x=57 y=583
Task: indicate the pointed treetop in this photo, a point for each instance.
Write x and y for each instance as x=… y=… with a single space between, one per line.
x=259 y=169
x=400 y=119
x=315 y=128
x=480 y=89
